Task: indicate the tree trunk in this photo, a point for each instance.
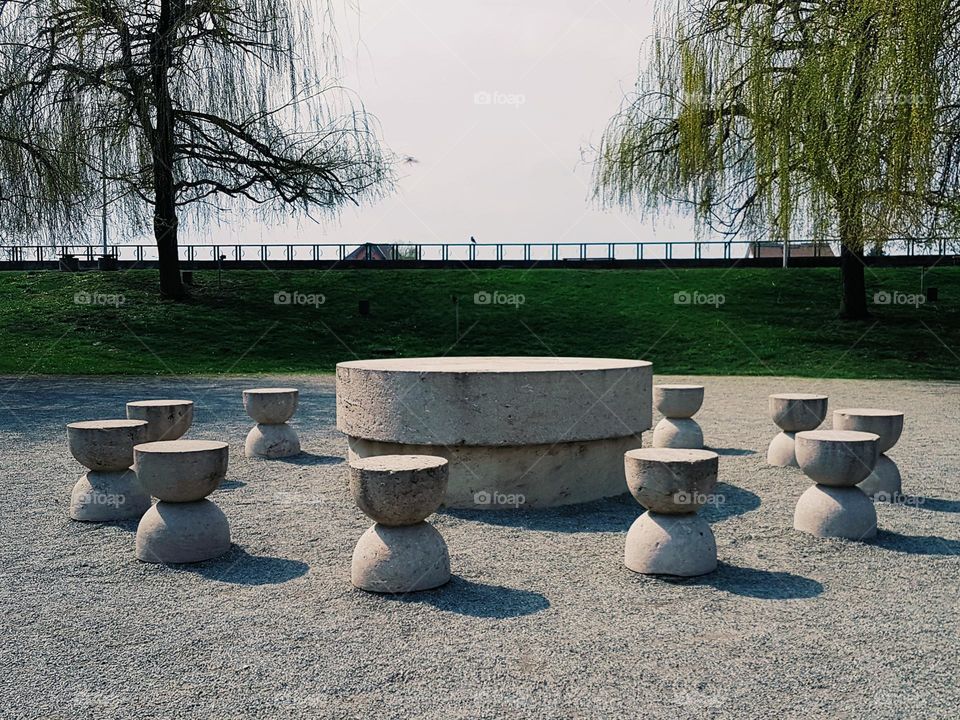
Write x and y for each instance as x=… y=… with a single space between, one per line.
x=853 y=302
x=165 y=220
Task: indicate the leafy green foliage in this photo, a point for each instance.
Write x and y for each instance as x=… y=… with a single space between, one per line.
x=830 y=119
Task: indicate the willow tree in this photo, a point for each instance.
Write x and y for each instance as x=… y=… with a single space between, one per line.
x=775 y=118
x=186 y=107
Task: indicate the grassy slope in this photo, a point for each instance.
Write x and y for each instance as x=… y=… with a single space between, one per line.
x=772 y=322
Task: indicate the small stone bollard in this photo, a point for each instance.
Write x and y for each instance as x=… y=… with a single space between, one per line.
x=884 y=482
x=109 y=490
x=167 y=419
x=183 y=527
x=671 y=538
x=678 y=404
x=836 y=460
x=271 y=437
x=400 y=552
x=793 y=413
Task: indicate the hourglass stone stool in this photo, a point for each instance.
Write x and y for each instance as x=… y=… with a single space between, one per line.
x=678 y=404
x=793 y=413
x=671 y=538
x=836 y=460
x=884 y=482
x=271 y=437
x=184 y=527
x=167 y=419
x=400 y=552
x=109 y=490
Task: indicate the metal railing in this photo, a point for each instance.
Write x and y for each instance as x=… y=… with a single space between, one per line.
x=457 y=252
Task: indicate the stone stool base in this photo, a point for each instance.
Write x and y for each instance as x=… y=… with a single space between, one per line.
x=681 y=545
x=102 y=496
x=682 y=433
x=182 y=533
x=400 y=559
x=884 y=482
x=782 y=451
x=837 y=512
x=272 y=441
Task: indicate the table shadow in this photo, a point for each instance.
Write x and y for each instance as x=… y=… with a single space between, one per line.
x=614 y=514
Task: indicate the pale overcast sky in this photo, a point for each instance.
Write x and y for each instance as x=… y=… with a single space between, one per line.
x=496 y=100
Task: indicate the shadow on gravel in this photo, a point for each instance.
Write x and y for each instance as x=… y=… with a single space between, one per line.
x=917 y=544
x=239 y=567
x=736 y=452
x=926 y=503
x=614 y=514
x=754 y=583
x=731 y=501
x=308 y=459
x=609 y=515
x=464 y=597
x=231 y=485
x=128 y=525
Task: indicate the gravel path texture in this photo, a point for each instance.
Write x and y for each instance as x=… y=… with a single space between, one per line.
x=541 y=619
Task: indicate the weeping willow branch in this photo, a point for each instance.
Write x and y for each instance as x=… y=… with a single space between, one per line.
x=773 y=118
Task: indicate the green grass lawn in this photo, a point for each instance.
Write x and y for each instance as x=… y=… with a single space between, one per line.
x=770 y=321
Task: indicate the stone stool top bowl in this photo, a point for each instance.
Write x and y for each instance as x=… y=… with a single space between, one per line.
x=839 y=458
x=669 y=480
x=181 y=470
x=271 y=406
x=796 y=412
x=105 y=445
x=678 y=401
x=399 y=489
x=168 y=419
x=886 y=424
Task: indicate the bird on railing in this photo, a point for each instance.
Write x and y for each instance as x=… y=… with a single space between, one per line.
x=473 y=240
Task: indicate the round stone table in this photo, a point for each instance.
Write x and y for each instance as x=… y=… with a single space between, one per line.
x=517 y=431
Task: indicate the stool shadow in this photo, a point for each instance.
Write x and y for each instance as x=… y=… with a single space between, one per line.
x=916 y=544
x=735 y=501
x=926 y=503
x=305 y=458
x=751 y=582
x=231 y=485
x=130 y=524
x=736 y=452
x=238 y=567
x=464 y=597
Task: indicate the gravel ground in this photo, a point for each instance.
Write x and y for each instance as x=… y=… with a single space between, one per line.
x=541 y=620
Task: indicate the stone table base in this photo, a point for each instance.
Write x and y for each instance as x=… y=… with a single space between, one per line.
x=517 y=431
